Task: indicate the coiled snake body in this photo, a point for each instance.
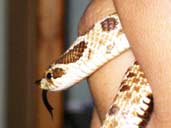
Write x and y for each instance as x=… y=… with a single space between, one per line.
x=133 y=103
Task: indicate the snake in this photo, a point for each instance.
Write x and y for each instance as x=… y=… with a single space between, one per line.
x=133 y=104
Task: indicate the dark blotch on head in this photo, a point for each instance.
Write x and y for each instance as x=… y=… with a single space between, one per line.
x=58 y=72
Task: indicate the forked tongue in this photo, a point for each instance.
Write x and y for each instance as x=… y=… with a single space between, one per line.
x=46 y=103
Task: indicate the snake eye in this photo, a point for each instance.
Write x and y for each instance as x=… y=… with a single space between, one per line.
x=49 y=75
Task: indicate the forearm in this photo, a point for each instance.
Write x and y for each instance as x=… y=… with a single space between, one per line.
x=105 y=82
x=148 y=27
x=95 y=122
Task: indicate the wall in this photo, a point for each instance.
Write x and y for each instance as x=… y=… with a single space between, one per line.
x=2 y=62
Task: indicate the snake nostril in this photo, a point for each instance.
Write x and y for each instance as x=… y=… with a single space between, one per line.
x=49 y=75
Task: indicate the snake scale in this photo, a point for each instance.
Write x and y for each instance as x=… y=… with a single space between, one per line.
x=133 y=103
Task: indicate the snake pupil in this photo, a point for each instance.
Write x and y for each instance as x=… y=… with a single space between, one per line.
x=49 y=75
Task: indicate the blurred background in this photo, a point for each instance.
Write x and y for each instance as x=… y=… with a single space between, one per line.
x=33 y=33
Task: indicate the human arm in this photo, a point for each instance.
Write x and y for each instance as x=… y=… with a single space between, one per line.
x=104 y=83
x=148 y=27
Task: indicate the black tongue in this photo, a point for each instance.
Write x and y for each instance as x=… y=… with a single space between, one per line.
x=46 y=103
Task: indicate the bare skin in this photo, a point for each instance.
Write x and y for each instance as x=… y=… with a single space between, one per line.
x=95 y=122
x=104 y=83
x=148 y=28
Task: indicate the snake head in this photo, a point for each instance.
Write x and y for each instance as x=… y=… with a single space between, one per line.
x=51 y=79
x=46 y=82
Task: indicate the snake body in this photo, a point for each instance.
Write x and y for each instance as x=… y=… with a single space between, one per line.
x=133 y=103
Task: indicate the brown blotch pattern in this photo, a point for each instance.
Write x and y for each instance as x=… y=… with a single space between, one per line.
x=123 y=82
x=124 y=88
x=128 y=70
x=142 y=75
x=58 y=72
x=109 y=24
x=73 y=55
x=113 y=110
x=136 y=80
x=131 y=74
x=136 y=63
x=137 y=88
x=146 y=117
x=128 y=95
